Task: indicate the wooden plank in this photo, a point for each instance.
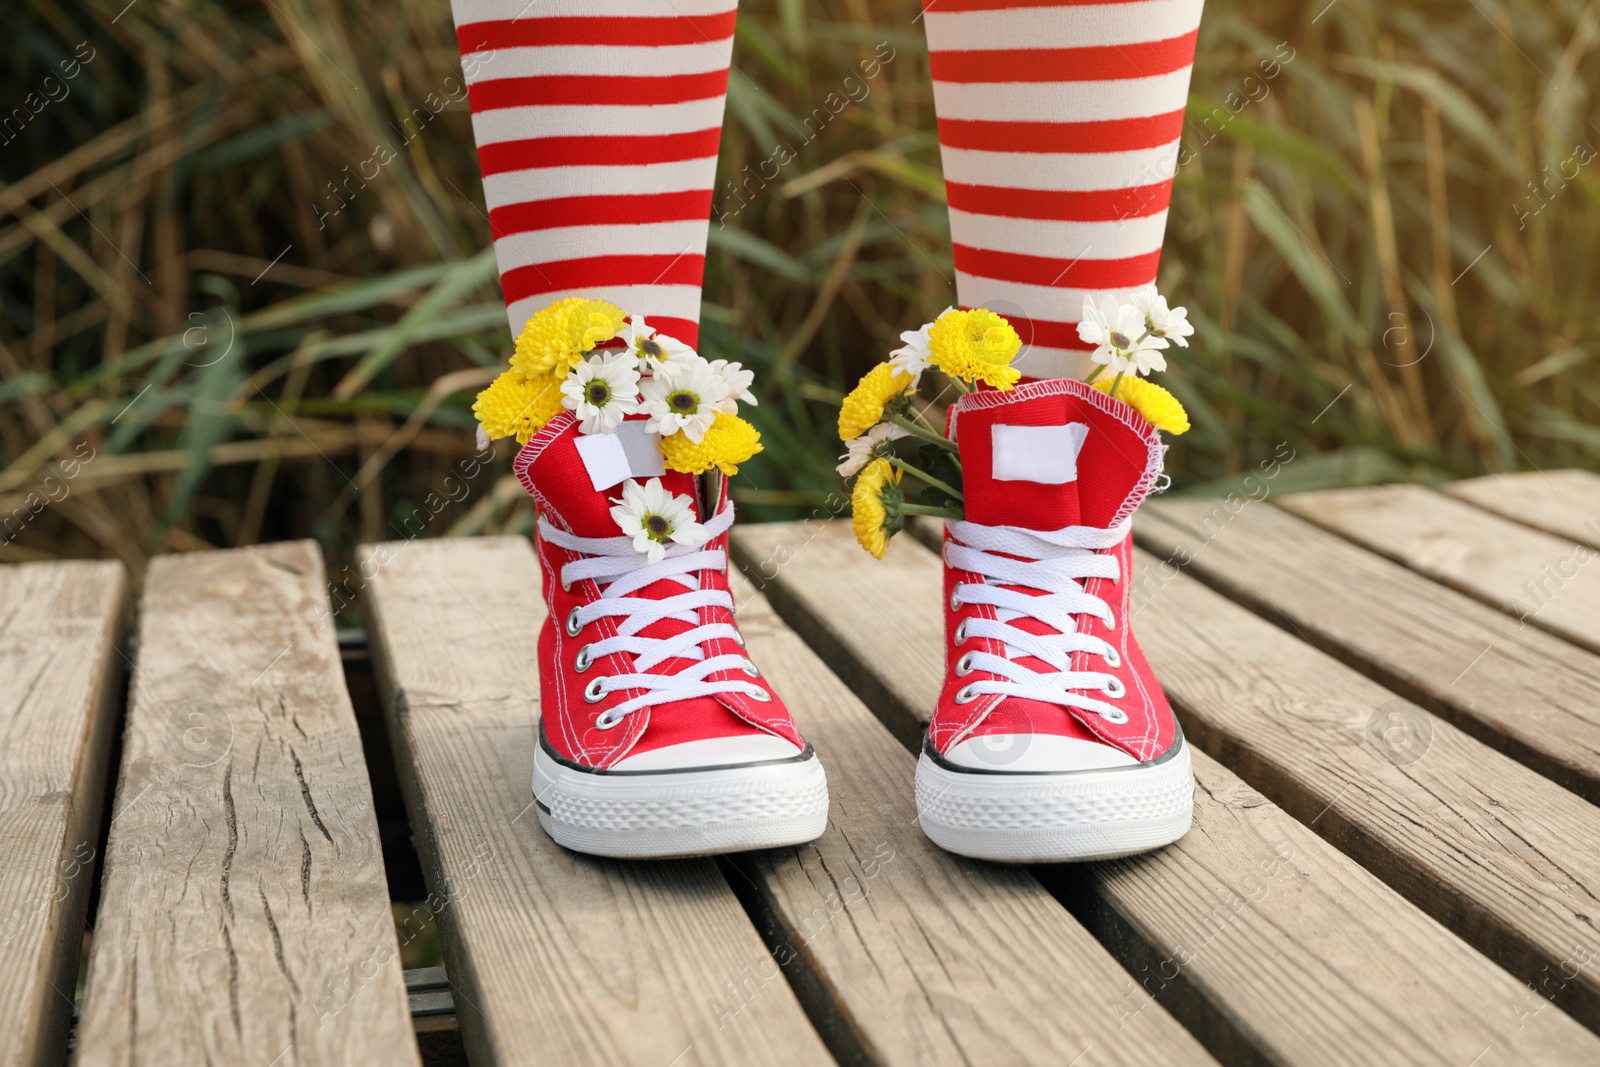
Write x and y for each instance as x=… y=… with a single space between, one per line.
x=244 y=916
x=61 y=631
x=553 y=956
x=1517 y=689
x=926 y=958
x=1564 y=503
x=1543 y=580
x=1316 y=965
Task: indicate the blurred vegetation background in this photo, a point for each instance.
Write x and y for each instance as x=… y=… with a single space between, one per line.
x=217 y=331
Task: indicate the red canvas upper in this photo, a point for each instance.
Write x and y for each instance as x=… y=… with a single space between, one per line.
x=1118 y=462
x=552 y=471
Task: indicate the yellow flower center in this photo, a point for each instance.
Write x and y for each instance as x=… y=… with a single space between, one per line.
x=683 y=402
x=597 y=393
x=651 y=349
x=657 y=527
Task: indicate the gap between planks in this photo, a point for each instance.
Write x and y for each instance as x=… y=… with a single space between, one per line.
x=1542 y=579
x=1518 y=689
x=61 y=666
x=1565 y=503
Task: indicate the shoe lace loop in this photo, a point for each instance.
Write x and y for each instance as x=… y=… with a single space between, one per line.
x=620 y=571
x=1055 y=563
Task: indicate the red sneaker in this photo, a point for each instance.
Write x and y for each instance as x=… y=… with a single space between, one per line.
x=657 y=735
x=1052 y=739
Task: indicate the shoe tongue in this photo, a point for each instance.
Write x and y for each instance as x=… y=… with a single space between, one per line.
x=1052 y=454
x=560 y=469
x=577 y=478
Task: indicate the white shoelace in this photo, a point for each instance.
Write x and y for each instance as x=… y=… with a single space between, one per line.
x=620 y=570
x=1056 y=562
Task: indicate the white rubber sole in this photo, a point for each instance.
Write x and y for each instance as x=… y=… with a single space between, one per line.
x=681 y=813
x=1055 y=818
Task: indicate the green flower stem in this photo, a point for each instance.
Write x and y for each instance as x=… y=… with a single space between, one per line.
x=924 y=434
x=930 y=479
x=923 y=509
x=1098 y=368
x=922 y=420
x=1116 y=382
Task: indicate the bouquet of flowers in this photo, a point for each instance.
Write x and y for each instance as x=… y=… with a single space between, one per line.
x=590 y=358
x=886 y=436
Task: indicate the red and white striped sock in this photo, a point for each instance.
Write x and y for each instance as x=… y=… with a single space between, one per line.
x=597 y=124
x=1059 y=127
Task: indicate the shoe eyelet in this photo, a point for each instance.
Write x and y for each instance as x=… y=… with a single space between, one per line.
x=955 y=599
x=759 y=694
x=964 y=666
x=752 y=670
x=583 y=661
x=738 y=639
x=1112 y=657
x=965 y=695
x=606 y=721
x=573 y=627
x=1118 y=718
x=1111 y=624
x=961 y=632
x=1115 y=689
x=566 y=586
x=592 y=693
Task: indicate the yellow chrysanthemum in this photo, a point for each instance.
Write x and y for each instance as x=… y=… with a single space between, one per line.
x=863 y=408
x=975 y=346
x=555 y=339
x=514 y=407
x=875 y=506
x=1157 y=405
x=729 y=442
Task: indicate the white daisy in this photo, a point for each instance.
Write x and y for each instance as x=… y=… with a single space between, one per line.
x=736 y=380
x=1160 y=320
x=654 y=517
x=682 y=397
x=654 y=349
x=1144 y=355
x=601 y=390
x=913 y=355
x=1117 y=331
x=862 y=449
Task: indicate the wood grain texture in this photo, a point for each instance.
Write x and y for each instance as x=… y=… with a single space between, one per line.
x=1564 y=503
x=1490 y=848
x=1543 y=580
x=244 y=917
x=1518 y=689
x=1250 y=920
x=766 y=550
x=924 y=957
x=61 y=631
x=553 y=956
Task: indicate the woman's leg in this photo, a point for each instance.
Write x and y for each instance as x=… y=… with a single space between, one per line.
x=1059 y=126
x=597 y=123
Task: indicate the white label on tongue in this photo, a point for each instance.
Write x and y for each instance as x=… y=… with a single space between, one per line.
x=1044 y=454
x=615 y=457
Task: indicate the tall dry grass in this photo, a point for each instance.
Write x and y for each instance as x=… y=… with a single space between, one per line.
x=226 y=320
